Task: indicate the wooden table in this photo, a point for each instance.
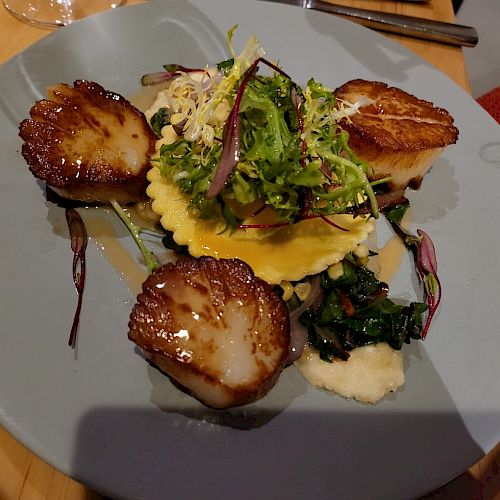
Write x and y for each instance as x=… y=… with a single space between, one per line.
x=24 y=476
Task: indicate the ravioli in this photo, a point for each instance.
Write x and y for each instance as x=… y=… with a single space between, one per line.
x=308 y=248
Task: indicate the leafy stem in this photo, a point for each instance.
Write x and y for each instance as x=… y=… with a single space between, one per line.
x=151 y=261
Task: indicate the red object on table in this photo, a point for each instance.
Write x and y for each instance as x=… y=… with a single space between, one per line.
x=491 y=103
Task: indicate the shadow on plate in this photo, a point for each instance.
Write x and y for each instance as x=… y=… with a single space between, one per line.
x=321 y=446
x=438 y=194
x=248 y=417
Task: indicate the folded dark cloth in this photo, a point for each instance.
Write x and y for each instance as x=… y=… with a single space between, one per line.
x=491 y=103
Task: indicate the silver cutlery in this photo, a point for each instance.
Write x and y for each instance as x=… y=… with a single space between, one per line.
x=416 y=27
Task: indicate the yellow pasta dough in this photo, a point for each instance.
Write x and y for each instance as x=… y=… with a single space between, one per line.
x=290 y=254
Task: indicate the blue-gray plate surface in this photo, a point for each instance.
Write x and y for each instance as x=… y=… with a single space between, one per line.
x=107 y=418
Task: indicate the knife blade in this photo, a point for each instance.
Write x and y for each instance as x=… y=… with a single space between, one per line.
x=416 y=27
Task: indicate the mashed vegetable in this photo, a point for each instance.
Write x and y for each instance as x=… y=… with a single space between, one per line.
x=372 y=372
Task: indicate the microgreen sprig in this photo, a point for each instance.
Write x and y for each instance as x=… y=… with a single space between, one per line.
x=150 y=259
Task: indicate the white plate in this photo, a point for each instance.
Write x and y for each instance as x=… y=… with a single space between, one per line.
x=108 y=419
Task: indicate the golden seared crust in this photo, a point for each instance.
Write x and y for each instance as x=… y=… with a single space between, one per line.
x=214 y=328
x=398 y=134
x=88 y=144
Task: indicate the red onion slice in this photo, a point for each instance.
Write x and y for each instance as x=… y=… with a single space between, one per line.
x=230 y=153
x=231 y=140
x=173 y=71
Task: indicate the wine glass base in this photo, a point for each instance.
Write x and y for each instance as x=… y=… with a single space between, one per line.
x=54 y=13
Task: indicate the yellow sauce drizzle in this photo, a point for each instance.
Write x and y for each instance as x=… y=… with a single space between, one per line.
x=103 y=234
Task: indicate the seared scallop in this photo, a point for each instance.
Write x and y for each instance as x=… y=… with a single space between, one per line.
x=88 y=144
x=214 y=328
x=396 y=133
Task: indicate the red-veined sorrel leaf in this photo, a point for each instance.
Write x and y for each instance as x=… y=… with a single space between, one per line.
x=424 y=255
x=78 y=235
x=426 y=262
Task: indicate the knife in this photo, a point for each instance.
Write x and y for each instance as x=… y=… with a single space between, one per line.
x=416 y=27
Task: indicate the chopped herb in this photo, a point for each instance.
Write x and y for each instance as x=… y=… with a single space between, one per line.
x=169 y=243
x=225 y=65
x=159 y=120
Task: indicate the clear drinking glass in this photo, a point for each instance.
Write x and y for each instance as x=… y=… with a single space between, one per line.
x=53 y=13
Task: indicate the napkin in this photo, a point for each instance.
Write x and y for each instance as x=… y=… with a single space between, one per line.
x=491 y=103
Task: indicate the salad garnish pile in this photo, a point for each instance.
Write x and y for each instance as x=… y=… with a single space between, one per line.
x=259 y=141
